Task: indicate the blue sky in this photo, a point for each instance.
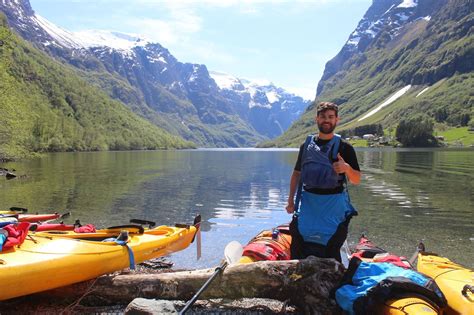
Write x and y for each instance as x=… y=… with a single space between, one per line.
x=285 y=42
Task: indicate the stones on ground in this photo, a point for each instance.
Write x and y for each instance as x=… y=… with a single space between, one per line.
x=157 y=263
x=141 y=306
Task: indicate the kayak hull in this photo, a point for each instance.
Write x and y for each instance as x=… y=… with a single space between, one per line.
x=45 y=262
x=451 y=279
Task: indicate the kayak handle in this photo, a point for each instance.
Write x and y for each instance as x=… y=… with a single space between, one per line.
x=466 y=288
x=150 y=224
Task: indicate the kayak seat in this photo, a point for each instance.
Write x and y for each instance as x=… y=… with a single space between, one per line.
x=121 y=238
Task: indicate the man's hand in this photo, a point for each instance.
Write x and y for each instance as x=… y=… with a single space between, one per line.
x=290 y=207
x=340 y=166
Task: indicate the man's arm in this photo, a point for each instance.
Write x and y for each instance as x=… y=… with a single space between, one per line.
x=294 y=181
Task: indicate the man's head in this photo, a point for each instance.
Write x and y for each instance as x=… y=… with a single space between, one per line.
x=327 y=117
x=325 y=106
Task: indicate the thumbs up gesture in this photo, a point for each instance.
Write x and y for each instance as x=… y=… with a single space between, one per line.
x=340 y=166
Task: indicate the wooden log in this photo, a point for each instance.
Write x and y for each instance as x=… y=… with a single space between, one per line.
x=305 y=283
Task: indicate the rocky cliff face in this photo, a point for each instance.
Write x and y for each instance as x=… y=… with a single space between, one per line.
x=382 y=23
x=406 y=59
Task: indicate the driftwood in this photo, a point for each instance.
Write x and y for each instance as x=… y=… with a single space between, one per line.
x=307 y=284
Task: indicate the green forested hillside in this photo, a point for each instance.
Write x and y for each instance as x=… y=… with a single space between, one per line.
x=434 y=57
x=46 y=106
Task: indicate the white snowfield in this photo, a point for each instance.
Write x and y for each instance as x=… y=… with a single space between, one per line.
x=224 y=80
x=90 y=38
x=408 y=4
x=63 y=37
x=388 y=101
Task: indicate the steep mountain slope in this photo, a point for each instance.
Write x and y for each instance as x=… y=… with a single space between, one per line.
x=46 y=106
x=405 y=58
x=180 y=97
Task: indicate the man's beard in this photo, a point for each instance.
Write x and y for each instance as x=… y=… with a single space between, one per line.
x=326 y=128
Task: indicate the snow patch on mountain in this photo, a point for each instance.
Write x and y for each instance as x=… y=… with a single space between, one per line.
x=423 y=91
x=116 y=40
x=160 y=59
x=195 y=73
x=390 y=100
x=272 y=96
x=62 y=37
x=408 y=4
x=225 y=81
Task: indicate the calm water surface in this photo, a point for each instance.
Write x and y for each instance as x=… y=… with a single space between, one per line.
x=404 y=197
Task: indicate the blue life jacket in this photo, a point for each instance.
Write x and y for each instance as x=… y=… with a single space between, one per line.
x=319 y=216
x=316 y=164
x=367 y=284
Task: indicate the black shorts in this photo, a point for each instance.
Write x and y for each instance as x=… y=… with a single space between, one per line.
x=301 y=249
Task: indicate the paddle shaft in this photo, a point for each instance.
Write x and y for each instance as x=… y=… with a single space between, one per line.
x=217 y=271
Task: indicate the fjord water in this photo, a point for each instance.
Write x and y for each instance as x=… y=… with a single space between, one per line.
x=405 y=196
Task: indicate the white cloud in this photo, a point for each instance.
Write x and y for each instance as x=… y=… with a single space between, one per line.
x=308 y=93
x=204 y=52
x=181 y=22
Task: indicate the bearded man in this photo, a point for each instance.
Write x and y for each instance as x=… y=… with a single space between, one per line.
x=319 y=180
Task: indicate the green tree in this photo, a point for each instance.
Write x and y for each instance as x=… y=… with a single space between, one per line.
x=416 y=132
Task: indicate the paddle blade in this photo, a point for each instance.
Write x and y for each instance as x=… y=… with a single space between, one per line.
x=345 y=254
x=233 y=252
x=197 y=236
x=198 y=244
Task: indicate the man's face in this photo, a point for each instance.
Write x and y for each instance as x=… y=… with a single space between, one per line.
x=327 y=121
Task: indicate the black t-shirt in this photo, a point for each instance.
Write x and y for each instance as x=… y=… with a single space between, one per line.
x=348 y=154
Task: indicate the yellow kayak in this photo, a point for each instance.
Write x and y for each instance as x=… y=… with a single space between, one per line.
x=48 y=260
x=455 y=281
x=406 y=305
x=14 y=210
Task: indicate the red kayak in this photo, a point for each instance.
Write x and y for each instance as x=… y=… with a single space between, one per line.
x=76 y=227
x=368 y=251
x=52 y=227
x=38 y=217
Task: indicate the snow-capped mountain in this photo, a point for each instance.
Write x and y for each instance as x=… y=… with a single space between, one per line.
x=24 y=20
x=270 y=109
x=383 y=21
x=147 y=77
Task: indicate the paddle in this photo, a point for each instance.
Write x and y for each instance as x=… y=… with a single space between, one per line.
x=232 y=253
x=345 y=254
x=197 y=224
